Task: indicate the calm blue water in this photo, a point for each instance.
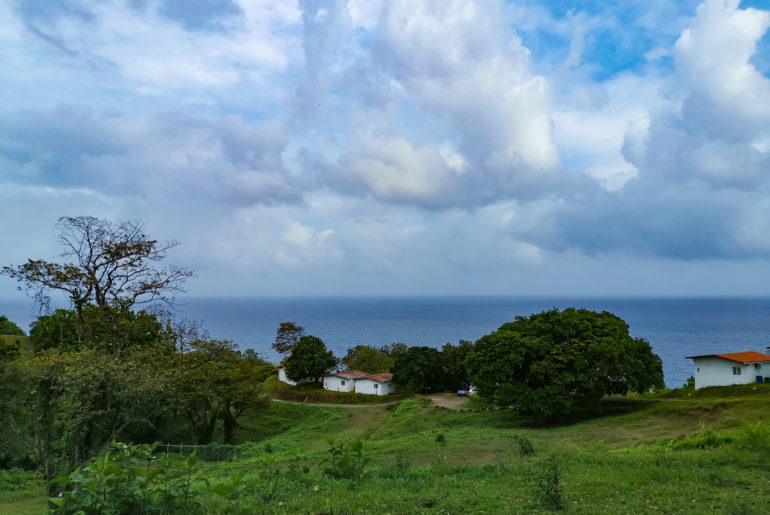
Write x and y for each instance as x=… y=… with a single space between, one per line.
x=674 y=327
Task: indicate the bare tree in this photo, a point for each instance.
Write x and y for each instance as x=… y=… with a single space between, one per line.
x=287 y=336
x=114 y=266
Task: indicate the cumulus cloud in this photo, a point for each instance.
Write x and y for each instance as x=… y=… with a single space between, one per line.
x=701 y=177
x=395 y=146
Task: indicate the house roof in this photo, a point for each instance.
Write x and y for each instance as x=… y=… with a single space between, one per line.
x=349 y=374
x=380 y=378
x=739 y=357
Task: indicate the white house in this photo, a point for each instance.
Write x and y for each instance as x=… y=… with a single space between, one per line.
x=343 y=381
x=376 y=384
x=284 y=378
x=732 y=368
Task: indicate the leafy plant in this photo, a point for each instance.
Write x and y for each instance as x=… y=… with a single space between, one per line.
x=548 y=485
x=129 y=479
x=346 y=459
x=525 y=445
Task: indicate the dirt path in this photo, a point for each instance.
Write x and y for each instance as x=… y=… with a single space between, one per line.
x=447 y=400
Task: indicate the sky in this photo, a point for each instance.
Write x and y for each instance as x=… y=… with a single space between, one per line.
x=403 y=147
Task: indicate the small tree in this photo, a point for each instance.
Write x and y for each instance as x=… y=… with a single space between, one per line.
x=309 y=359
x=287 y=336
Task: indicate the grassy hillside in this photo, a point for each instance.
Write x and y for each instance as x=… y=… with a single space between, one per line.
x=26 y=345
x=631 y=456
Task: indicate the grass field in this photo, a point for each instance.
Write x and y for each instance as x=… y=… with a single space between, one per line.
x=429 y=460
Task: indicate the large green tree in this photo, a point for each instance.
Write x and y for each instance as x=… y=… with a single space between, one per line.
x=453 y=358
x=213 y=381
x=553 y=362
x=309 y=359
x=418 y=368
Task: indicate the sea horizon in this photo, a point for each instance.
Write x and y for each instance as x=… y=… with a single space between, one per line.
x=676 y=327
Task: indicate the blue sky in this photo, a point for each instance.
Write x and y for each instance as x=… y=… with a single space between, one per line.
x=403 y=147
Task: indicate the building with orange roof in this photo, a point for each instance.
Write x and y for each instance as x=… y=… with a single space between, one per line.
x=342 y=381
x=376 y=384
x=730 y=368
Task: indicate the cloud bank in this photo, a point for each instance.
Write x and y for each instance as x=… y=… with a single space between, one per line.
x=452 y=146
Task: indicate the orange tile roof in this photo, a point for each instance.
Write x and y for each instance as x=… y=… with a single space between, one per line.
x=380 y=378
x=740 y=357
x=351 y=374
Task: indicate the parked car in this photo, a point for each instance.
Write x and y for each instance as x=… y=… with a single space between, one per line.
x=462 y=392
x=471 y=390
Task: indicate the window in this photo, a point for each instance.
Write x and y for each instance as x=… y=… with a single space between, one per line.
x=736 y=371
x=376 y=386
x=343 y=382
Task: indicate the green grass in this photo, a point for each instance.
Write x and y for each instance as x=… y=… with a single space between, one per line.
x=610 y=459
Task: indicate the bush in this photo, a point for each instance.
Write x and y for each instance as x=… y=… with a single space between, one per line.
x=129 y=479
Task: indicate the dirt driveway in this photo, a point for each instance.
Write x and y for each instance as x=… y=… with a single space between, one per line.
x=447 y=400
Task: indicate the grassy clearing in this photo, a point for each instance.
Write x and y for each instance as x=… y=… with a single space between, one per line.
x=430 y=460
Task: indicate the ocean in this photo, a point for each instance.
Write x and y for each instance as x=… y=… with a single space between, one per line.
x=674 y=327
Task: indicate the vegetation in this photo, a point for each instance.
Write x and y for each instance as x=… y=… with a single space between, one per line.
x=418 y=368
x=309 y=359
x=9 y=328
x=287 y=336
x=368 y=359
x=557 y=361
x=610 y=459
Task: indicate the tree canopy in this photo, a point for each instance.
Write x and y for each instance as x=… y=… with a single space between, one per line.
x=368 y=359
x=417 y=368
x=309 y=359
x=9 y=328
x=552 y=362
x=109 y=264
x=287 y=336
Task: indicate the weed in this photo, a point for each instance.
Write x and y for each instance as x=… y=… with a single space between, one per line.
x=548 y=484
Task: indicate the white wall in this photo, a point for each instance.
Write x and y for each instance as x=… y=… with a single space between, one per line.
x=712 y=371
x=338 y=384
x=372 y=387
x=282 y=377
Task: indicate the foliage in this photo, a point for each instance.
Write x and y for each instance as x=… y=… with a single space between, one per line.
x=309 y=359
x=346 y=459
x=418 y=368
x=130 y=479
x=453 y=364
x=287 y=336
x=548 y=484
x=106 y=329
x=553 y=362
x=114 y=267
x=9 y=328
x=213 y=381
x=394 y=349
x=368 y=359
x=80 y=401
x=525 y=446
